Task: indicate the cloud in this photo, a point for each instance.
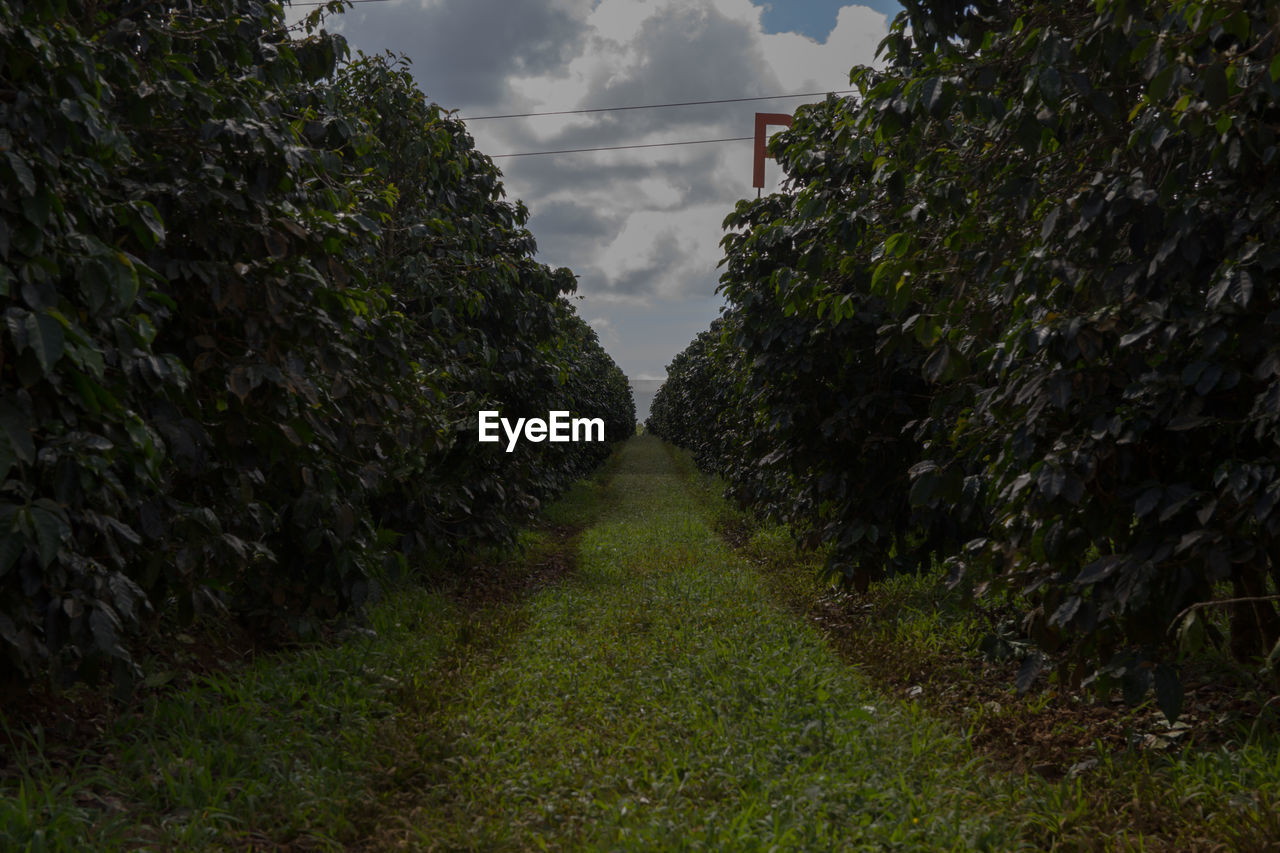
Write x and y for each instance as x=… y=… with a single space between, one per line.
x=803 y=63
x=646 y=256
x=687 y=51
x=560 y=226
x=640 y=228
x=604 y=330
x=466 y=51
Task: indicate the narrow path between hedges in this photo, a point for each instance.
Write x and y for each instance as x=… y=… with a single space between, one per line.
x=660 y=699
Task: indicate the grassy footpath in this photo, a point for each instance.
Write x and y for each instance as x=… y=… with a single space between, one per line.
x=659 y=696
x=660 y=699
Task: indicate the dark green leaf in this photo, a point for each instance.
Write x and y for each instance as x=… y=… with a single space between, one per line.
x=1099 y=570
x=1159 y=86
x=1031 y=667
x=106 y=627
x=38 y=207
x=1148 y=501
x=22 y=172
x=935 y=366
x=1135 y=684
x=1050 y=83
x=1186 y=422
x=126 y=282
x=922 y=489
x=1192 y=372
x=45 y=338
x=16 y=443
x=1215 y=85
x=11 y=547
x=50 y=530
x=1064 y=614
x=1191 y=634
x=1208 y=379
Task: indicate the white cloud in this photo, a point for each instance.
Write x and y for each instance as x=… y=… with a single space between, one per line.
x=802 y=63
x=619 y=20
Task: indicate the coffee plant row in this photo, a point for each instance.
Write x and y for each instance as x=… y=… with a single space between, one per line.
x=254 y=298
x=1016 y=314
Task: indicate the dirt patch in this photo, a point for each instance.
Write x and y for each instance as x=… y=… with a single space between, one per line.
x=69 y=721
x=501 y=581
x=418 y=743
x=1052 y=731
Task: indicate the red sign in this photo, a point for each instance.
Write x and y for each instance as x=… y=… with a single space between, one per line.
x=764 y=120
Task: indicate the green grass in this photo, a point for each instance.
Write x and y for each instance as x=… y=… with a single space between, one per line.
x=661 y=699
x=279 y=753
x=663 y=695
x=909 y=630
x=310 y=749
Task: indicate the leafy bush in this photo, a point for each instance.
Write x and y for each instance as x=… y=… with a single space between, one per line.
x=253 y=302
x=1014 y=313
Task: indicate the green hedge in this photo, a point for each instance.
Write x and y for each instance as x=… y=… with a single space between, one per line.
x=254 y=297
x=1016 y=313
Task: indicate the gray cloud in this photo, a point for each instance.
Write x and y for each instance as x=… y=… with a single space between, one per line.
x=665 y=259
x=667 y=267
x=577 y=177
x=465 y=51
x=561 y=227
x=568 y=218
x=691 y=53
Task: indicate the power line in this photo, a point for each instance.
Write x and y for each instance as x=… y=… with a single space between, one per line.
x=326 y=4
x=658 y=106
x=624 y=147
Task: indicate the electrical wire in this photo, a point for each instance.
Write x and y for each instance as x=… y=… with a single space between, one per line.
x=326 y=4
x=624 y=147
x=659 y=106
x=645 y=107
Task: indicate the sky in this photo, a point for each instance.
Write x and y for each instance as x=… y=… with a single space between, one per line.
x=641 y=229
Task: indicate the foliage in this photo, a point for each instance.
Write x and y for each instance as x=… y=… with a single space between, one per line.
x=252 y=303
x=684 y=408
x=478 y=325
x=1027 y=270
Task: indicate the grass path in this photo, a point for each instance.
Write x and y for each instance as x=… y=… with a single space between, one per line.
x=661 y=696
x=660 y=699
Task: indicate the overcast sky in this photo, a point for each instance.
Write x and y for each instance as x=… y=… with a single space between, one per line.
x=640 y=228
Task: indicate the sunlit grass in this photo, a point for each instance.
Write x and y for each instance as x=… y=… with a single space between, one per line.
x=662 y=700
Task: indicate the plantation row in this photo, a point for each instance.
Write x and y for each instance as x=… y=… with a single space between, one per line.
x=1016 y=315
x=254 y=298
